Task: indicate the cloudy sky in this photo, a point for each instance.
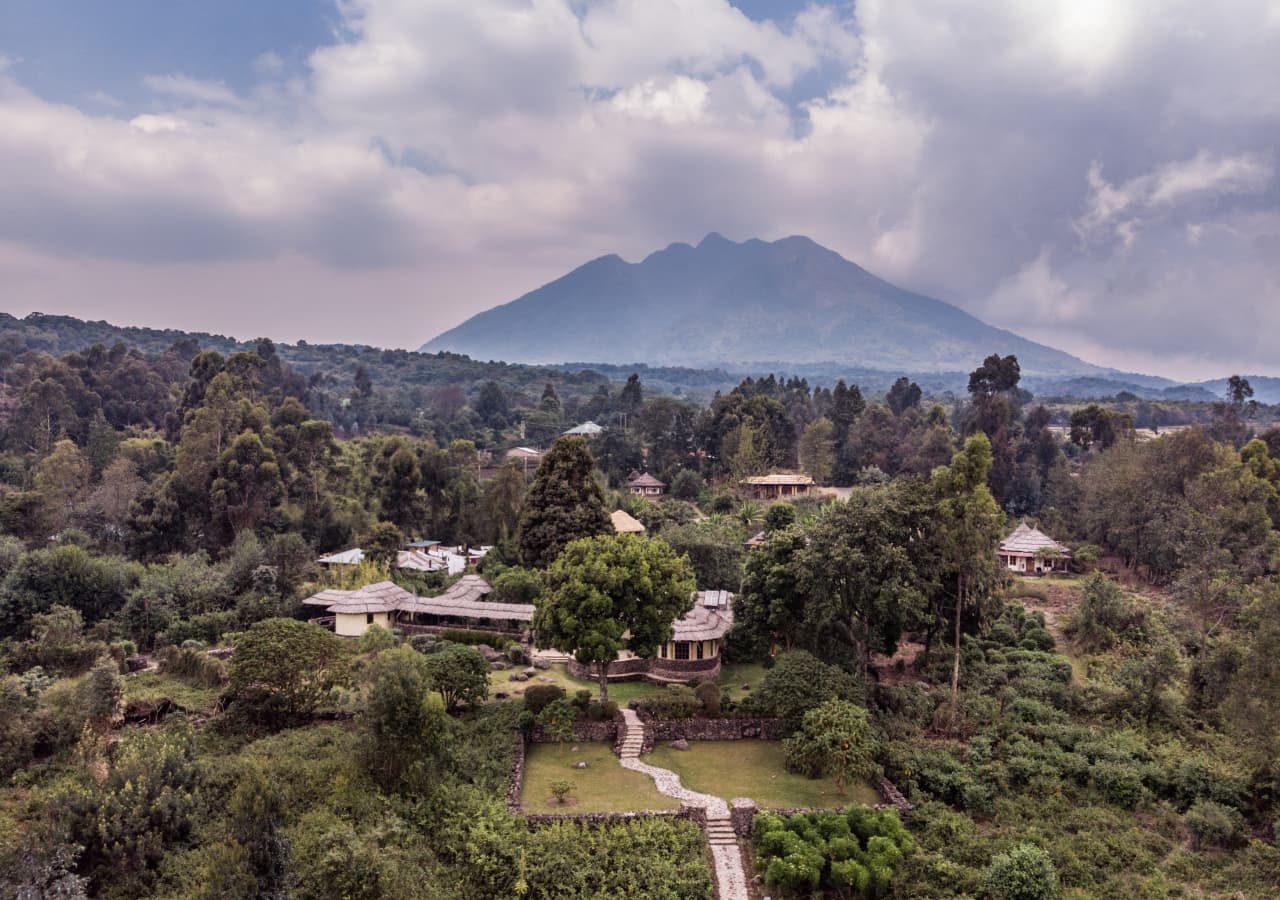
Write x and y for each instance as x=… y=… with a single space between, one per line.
x=1096 y=174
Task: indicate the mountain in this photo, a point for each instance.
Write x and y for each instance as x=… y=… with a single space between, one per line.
x=752 y=303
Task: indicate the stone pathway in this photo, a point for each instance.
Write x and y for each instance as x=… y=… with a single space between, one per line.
x=731 y=879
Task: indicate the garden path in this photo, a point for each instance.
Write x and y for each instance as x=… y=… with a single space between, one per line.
x=731 y=879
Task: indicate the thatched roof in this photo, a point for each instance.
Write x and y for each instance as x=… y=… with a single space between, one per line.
x=625 y=523
x=465 y=599
x=352 y=557
x=385 y=596
x=1028 y=541
x=778 y=478
x=645 y=480
x=710 y=619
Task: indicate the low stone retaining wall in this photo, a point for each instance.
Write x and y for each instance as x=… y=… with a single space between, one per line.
x=516 y=780
x=619 y=670
x=583 y=732
x=600 y=820
x=658 y=730
x=893 y=797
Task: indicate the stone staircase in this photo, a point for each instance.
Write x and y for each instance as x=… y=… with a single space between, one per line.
x=731 y=879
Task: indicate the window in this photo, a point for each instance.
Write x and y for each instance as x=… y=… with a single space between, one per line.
x=368 y=618
x=699 y=649
x=682 y=650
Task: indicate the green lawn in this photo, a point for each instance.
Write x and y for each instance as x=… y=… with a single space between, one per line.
x=732 y=678
x=753 y=769
x=604 y=786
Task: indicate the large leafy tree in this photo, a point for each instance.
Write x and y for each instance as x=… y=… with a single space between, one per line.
x=969 y=529
x=563 y=504
x=603 y=587
x=836 y=739
x=770 y=609
x=860 y=576
x=284 y=668
x=407 y=724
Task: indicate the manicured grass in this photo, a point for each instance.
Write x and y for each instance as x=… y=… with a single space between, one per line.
x=604 y=786
x=753 y=769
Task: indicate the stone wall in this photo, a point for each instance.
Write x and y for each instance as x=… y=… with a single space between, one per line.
x=657 y=731
x=632 y=669
x=516 y=780
x=598 y=820
x=742 y=810
x=584 y=732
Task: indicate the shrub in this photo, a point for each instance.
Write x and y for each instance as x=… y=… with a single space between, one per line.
x=375 y=639
x=284 y=668
x=836 y=739
x=475 y=638
x=676 y=702
x=1024 y=873
x=561 y=790
x=1119 y=782
x=1214 y=824
x=853 y=854
x=460 y=674
x=193 y=666
x=581 y=698
x=797 y=683
x=426 y=643
x=557 y=719
x=538 y=697
x=708 y=694
x=1038 y=639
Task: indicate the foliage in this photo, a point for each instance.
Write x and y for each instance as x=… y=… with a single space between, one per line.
x=1024 y=873
x=675 y=701
x=1214 y=824
x=557 y=718
x=564 y=504
x=798 y=683
x=537 y=697
x=193 y=665
x=708 y=694
x=714 y=550
x=605 y=586
x=283 y=669
x=408 y=727
x=561 y=790
x=375 y=639
x=835 y=740
x=460 y=675
x=853 y=854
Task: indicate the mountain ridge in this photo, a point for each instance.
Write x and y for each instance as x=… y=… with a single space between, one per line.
x=791 y=301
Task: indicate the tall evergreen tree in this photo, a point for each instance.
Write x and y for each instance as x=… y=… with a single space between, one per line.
x=564 y=503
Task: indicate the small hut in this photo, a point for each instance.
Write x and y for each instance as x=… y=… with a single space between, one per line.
x=645 y=485
x=354 y=611
x=1029 y=551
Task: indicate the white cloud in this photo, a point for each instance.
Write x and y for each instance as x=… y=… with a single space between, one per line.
x=194 y=90
x=1090 y=160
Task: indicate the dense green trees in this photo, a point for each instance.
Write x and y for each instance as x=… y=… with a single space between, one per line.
x=602 y=588
x=564 y=503
x=837 y=740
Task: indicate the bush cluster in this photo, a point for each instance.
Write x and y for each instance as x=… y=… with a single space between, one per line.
x=853 y=854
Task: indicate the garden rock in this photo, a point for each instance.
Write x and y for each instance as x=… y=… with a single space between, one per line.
x=531 y=671
x=498 y=666
x=500 y=695
x=680 y=744
x=540 y=663
x=135 y=663
x=519 y=676
x=581 y=764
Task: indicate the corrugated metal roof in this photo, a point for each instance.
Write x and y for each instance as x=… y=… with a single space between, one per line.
x=1030 y=541
x=585 y=428
x=352 y=557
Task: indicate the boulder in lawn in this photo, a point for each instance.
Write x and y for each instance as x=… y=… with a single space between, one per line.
x=680 y=744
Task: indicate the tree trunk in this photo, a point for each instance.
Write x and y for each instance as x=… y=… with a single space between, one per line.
x=604 y=682
x=955 y=666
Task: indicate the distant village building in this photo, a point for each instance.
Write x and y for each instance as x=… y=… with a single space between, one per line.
x=776 y=486
x=625 y=523
x=527 y=457
x=645 y=485
x=1030 y=551
x=586 y=429
x=755 y=542
x=418 y=556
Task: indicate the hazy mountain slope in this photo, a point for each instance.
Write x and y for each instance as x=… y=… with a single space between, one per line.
x=791 y=301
